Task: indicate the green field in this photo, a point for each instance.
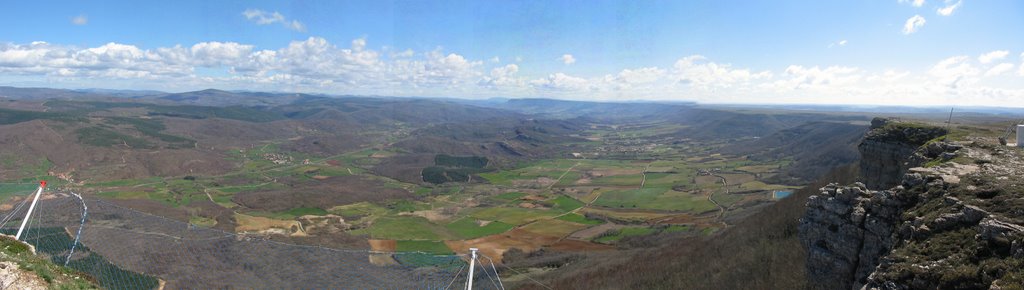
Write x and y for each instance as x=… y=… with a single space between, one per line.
x=512 y=215
x=431 y=247
x=619 y=180
x=8 y=190
x=580 y=219
x=404 y=228
x=553 y=227
x=655 y=198
x=547 y=168
x=564 y=203
x=468 y=228
x=457 y=208
x=670 y=179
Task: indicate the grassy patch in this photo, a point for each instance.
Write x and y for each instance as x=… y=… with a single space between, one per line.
x=407 y=206
x=431 y=247
x=469 y=228
x=404 y=228
x=655 y=198
x=202 y=221
x=564 y=203
x=553 y=227
x=619 y=180
x=511 y=215
x=580 y=219
x=8 y=190
x=569 y=179
x=500 y=177
x=547 y=168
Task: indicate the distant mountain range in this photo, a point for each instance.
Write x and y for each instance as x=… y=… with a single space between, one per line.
x=543 y=106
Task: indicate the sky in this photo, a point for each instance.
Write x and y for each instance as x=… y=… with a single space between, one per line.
x=883 y=52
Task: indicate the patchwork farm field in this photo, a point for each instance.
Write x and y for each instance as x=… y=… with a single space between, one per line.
x=586 y=200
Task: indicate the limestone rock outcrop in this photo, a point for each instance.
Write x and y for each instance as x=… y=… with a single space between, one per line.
x=891 y=148
x=948 y=226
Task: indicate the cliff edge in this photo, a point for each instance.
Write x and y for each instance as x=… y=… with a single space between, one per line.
x=950 y=216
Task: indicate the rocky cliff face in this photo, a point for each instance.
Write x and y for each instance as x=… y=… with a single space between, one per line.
x=955 y=225
x=888 y=151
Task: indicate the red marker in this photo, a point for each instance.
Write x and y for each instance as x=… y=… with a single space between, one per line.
x=42 y=183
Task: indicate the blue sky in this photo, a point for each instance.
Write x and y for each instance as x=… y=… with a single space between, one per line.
x=709 y=51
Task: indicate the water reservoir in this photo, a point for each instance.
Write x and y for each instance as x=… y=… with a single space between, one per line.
x=782 y=194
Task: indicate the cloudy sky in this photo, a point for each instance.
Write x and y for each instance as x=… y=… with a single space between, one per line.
x=909 y=52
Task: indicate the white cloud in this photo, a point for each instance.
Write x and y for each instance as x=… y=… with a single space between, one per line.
x=889 y=76
x=297 y=26
x=837 y=43
x=915 y=3
x=954 y=71
x=568 y=59
x=913 y=24
x=1020 y=70
x=504 y=76
x=949 y=9
x=993 y=56
x=495 y=59
x=797 y=77
x=80 y=20
x=698 y=71
x=644 y=75
x=999 y=69
x=219 y=53
x=561 y=82
x=318 y=65
x=261 y=17
x=505 y=71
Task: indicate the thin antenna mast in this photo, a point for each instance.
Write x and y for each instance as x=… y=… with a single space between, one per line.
x=42 y=184
x=472 y=265
x=950 y=118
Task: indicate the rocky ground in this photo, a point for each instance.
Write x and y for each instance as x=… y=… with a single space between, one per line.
x=22 y=268
x=954 y=221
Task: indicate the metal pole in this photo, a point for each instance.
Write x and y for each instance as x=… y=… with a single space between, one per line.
x=950 y=120
x=472 y=265
x=30 y=207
